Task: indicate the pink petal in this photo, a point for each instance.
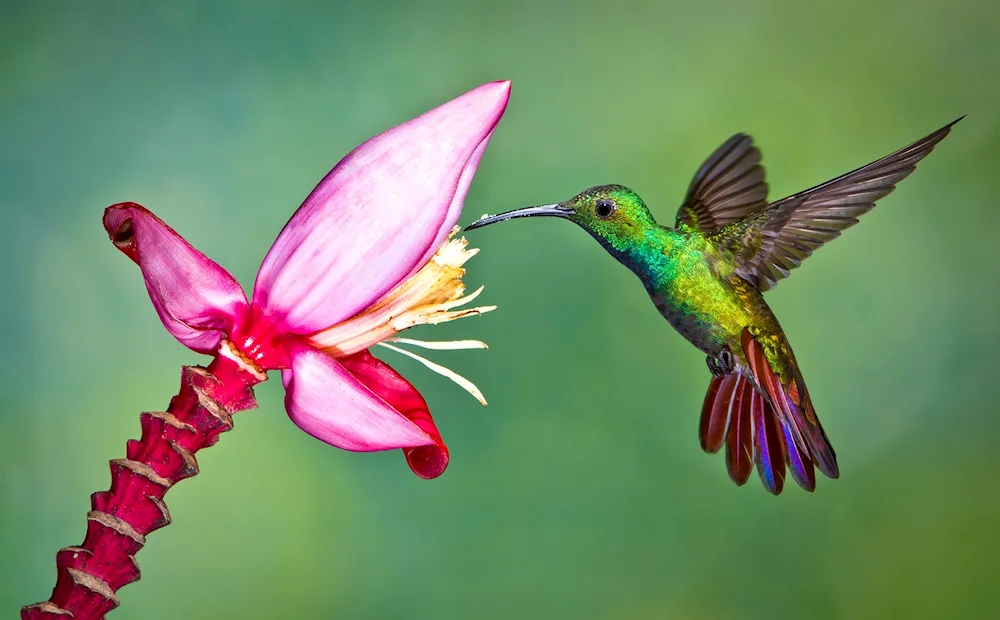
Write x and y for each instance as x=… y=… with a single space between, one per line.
x=378 y=215
x=329 y=403
x=197 y=300
x=425 y=461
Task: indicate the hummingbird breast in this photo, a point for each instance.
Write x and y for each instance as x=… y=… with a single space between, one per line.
x=698 y=327
x=705 y=302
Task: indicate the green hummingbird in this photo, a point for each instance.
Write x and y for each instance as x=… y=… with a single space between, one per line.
x=706 y=276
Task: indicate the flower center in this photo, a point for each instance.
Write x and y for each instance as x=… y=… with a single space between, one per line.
x=428 y=297
x=255 y=342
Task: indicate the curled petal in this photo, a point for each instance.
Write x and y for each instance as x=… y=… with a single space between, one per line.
x=378 y=216
x=332 y=405
x=197 y=300
x=426 y=461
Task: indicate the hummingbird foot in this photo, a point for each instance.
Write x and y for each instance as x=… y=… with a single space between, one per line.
x=722 y=363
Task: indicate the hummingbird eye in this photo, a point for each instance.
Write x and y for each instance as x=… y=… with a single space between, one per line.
x=604 y=208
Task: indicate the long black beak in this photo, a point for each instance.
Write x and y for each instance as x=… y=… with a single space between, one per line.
x=544 y=210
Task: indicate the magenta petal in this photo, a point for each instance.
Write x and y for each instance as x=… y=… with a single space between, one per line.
x=428 y=461
x=378 y=215
x=197 y=300
x=329 y=403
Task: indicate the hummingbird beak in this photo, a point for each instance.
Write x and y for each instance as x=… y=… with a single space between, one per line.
x=556 y=210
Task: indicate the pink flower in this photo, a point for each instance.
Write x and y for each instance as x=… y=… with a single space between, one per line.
x=368 y=254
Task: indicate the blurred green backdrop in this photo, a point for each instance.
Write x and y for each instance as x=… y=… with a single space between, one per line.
x=577 y=493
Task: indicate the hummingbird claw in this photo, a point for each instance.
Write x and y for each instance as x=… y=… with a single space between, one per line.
x=713 y=367
x=722 y=363
x=727 y=363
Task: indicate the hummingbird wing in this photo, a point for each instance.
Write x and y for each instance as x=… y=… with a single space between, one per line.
x=728 y=186
x=771 y=242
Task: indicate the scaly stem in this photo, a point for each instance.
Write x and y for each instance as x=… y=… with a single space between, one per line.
x=89 y=575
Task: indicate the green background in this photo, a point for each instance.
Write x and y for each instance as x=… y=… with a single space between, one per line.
x=580 y=492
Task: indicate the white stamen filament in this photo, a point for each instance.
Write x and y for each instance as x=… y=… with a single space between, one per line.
x=461 y=381
x=432 y=315
x=445 y=345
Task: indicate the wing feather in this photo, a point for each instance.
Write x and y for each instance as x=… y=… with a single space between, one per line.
x=769 y=243
x=728 y=186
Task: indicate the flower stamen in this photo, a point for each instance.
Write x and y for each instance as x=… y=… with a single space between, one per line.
x=425 y=298
x=442 y=345
x=461 y=381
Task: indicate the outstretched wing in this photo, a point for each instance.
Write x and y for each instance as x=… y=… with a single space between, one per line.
x=728 y=186
x=770 y=243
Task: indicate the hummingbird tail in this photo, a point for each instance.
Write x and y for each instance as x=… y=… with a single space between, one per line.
x=736 y=414
x=804 y=436
x=767 y=422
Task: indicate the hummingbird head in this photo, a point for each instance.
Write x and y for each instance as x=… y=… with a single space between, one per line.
x=612 y=214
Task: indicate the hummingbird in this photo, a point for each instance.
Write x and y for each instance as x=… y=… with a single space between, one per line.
x=707 y=274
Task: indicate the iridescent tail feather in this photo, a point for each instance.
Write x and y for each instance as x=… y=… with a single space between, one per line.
x=766 y=422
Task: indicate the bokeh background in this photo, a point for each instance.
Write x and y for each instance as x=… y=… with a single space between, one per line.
x=580 y=492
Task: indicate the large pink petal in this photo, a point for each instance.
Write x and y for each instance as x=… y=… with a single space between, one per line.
x=378 y=215
x=329 y=403
x=197 y=300
x=425 y=461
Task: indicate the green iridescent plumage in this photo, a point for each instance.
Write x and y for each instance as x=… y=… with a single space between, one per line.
x=706 y=276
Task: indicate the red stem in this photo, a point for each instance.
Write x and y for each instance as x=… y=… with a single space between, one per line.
x=89 y=575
